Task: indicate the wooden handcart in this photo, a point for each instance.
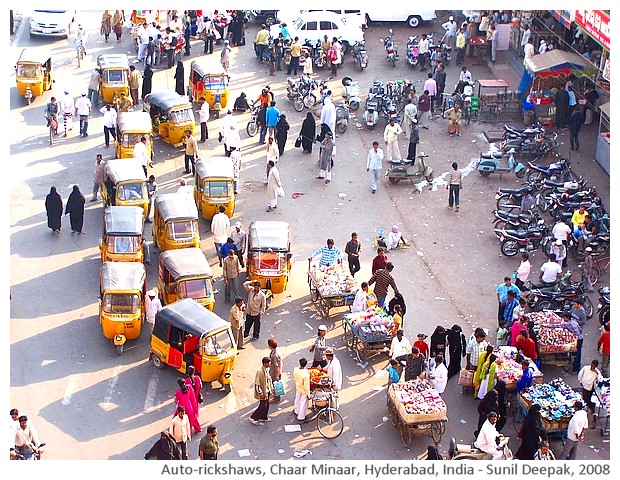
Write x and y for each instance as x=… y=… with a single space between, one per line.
x=556 y=430
x=323 y=303
x=411 y=425
x=363 y=341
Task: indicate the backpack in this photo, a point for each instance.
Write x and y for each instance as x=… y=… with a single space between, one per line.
x=173 y=41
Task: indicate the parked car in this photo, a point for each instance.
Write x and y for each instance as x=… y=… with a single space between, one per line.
x=356 y=16
x=268 y=17
x=51 y=23
x=413 y=19
x=314 y=25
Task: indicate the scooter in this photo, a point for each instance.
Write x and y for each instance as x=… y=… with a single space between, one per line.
x=371 y=114
x=391 y=49
x=603 y=307
x=489 y=163
x=360 y=57
x=413 y=52
x=350 y=93
x=404 y=170
x=459 y=451
x=342 y=117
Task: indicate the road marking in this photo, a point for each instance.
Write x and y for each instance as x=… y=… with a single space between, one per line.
x=231 y=401
x=107 y=400
x=66 y=400
x=149 y=401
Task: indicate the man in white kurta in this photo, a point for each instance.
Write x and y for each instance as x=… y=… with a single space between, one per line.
x=390 y=136
x=486 y=440
x=333 y=369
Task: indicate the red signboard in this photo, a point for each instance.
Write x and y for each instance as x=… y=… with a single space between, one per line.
x=596 y=24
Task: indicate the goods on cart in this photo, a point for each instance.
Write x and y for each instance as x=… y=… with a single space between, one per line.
x=371 y=325
x=552 y=340
x=318 y=377
x=509 y=369
x=556 y=401
x=603 y=386
x=417 y=401
x=332 y=280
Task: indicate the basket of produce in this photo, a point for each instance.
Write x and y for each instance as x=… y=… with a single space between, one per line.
x=333 y=281
x=318 y=378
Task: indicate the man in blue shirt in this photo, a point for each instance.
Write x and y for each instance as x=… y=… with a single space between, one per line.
x=272 y=117
x=229 y=245
x=329 y=253
x=526 y=379
x=502 y=295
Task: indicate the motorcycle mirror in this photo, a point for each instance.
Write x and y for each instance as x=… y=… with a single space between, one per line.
x=380 y=39
x=391 y=31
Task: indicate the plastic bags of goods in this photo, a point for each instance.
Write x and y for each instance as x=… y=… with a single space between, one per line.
x=419 y=401
x=555 y=340
x=603 y=386
x=556 y=400
x=332 y=280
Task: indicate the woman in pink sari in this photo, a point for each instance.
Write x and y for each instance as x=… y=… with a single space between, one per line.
x=194 y=383
x=185 y=397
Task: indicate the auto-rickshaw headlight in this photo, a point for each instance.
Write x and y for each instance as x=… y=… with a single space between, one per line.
x=227 y=375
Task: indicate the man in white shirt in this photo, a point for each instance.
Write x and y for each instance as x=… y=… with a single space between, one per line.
x=487 y=438
x=528 y=50
x=576 y=432
x=67 y=108
x=523 y=272
x=526 y=37
x=141 y=153
x=220 y=225
x=143 y=38
x=400 y=345
x=333 y=369
x=225 y=124
x=423 y=52
x=561 y=231
x=587 y=376
x=550 y=271
x=374 y=166
x=439 y=375
x=180 y=430
x=203 y=114
x=153 y=305
x=390 y=136
x=82 y=108
x=450 y=27
x=109 y=123
x=26 y=438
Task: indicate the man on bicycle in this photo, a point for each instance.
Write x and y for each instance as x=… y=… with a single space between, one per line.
x=80 y=38
x=51 y=112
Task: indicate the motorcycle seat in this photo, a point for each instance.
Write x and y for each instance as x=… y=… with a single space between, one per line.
x=522 y=234
x=516 y=191
x=404 y=161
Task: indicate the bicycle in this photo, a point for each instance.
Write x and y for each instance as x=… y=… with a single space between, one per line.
x=80 y=52
x=329 y=422
x=599 y=269
x=53 y=128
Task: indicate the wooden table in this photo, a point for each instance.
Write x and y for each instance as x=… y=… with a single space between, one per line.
x=478 y=44
x=492 y=83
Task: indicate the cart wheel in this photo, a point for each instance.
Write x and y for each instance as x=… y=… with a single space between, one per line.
x=324 y=308
x=349 y=338
x=519 y=413
x=437 y=431
x=405 y=434
x=393 y=414
x=362 y=351
x=330 y=423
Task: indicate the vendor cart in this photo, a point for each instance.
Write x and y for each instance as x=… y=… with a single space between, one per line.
x=558 y=350
x=365 y=340
x=410 y=425
x=325 y=294
x=555 y=430
x=602 y=392
x=324 y=404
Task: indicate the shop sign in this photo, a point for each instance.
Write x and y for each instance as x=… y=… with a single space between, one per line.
x=596 y=24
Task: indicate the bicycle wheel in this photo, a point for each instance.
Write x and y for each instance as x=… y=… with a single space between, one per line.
x=52 y=140
x=252 y=128
x=330 y=423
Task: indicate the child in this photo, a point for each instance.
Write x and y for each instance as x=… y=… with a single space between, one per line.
x=393 y=372
x=422 y=345
x=502 y=334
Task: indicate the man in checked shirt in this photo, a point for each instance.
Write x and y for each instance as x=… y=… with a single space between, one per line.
x=329 y=254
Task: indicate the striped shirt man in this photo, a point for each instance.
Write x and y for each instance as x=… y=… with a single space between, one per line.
x=328 y=252
x=382 y=280
x=454 y=177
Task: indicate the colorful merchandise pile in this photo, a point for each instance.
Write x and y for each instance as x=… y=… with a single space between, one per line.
x=417 y=400
x=317 y=377
x=509 y=370
x=332 y=280
x=556 y=400
x=556 y=340
x=373 y=323
x=603 y=391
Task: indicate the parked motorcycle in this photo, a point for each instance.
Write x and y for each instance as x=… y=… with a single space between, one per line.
x=350 y=93
x=531 y=131
x=603 y=307
x=446 y=51
x=467 y=452
x=404 y=170
x=509 y=198
x=319 y=56
x=391 y=49
x=515 y=221
x=489 y=163
x=252 y=126
x=342 y=117
x=306 y=88
x=525 y=241
x=599 y=243
x=360 y=57
x=556 y=171
x=293 y=95
x=413 y=52
x=563 y=299
x=371 y=111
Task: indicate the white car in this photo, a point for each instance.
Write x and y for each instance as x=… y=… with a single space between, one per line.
x=314 y=26
x=350 y=16
x=51 y=23
x=413 y=18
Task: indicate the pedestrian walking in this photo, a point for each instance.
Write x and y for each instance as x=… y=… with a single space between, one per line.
x=282 y=129
x=93 y=86
x=117 y=25
x=134 y=84
x=263 y=388
x=209 y=446
x=75 y=210
x=374 y=165
x=256 y=306
x=603 y=346
x=83 y=106
x=383 y=279
x=225 y=57
x=353 y=249
x=414 y=139
x=276 y=366
x=230 y=274
x=328 y=116
x=335 y=55
x=301 y=375
x=191 y=152
x=186 y=398
x=326 y=158
x=109 y=123
x=430 y=86
x=318 y=348
x=240 y=237
x=53 y=209
x=577 y=427
x=165 y=448
x=204 y=115
x=220 y=225
x=424 y=109
x=97 y=177
x=575 y=122
x=274 y=185
x=194 y=383
x=153 y=305
x=454 y=182
x=147 y=81
x=180 y=430
x=461 y=42
x=179 y=76
x=587 y=377
x=236 y=319
x=231 y=136
x=106 y=25
x=272 y=117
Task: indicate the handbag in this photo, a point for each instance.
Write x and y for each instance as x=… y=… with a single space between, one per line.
x=466 y=378
x=331 y=54
x=278 y=388
x=280 y=191
x=298 y=142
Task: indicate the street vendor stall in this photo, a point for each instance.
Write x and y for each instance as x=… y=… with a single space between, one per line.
x=367 y=332
x=416 y=408
x=557 y=346
x=330 y=286
x=509 y=370
x=602 y=393
x=556 y=400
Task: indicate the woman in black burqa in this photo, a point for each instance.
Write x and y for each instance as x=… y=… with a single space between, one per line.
x=456 y=348
x=75 y=209
x=308 y=133
x=147 y=81
x=179 y=76
x=487 y=405
x=53 y=207
x=438 y=342
x=282 y=129
x=531 y=433
x=502 y=404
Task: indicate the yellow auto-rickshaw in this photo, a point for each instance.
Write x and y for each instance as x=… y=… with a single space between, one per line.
x=175 y=221
x=185 y=273
x=123 y=239
x=114 y=76
x=122 y=288
x=214 y=186
x=269 y=254
x=130 y=127
x=171 y=114
x=213 y=86
x=125 y=184
x=185 y=333
x=33 y=73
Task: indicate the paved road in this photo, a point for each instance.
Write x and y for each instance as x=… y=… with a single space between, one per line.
x=90 y=404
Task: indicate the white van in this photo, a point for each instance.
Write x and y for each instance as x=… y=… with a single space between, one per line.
x=413 y=19
x=356 y=17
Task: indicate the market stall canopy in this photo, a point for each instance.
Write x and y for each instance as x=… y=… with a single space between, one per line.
x=558 y=62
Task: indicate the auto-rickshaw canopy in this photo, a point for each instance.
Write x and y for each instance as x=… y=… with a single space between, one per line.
x=121 y=170
x=185 y=262
x=269 y=235
x=32 y=61
x=191 y=317
x=215 y=81
x=166 y=100
x=123 y=220
x=133 y=122
x=122 y=276
x=175 y=206
x=115 y=60
x=214 y=167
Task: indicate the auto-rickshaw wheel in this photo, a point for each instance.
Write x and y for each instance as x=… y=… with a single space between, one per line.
x=157 y=362
x=119 y=349
x=227 y=387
